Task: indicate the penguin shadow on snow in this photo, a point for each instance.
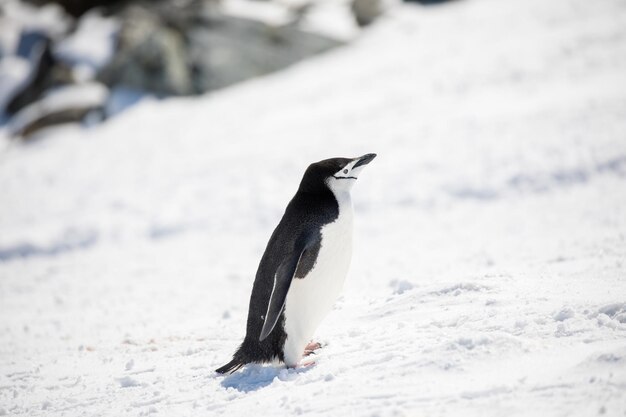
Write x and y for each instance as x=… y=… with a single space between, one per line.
x=255 y=377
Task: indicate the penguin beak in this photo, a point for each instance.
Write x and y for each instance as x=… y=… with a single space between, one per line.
x=364 y=160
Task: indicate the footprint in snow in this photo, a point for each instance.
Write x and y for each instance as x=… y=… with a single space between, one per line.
x=254 y=377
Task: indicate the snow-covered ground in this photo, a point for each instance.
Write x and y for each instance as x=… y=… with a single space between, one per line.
x=489 y=272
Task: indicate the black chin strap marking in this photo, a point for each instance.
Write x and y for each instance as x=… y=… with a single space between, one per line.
x=344 y=178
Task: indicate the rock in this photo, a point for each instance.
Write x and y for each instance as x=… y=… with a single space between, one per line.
x=70 y=103
x=42 y=71
x=34 y=47
x=27 y=63
x=233 y=49
x=175 y=51
x=160 y=48
x=366 y=11
x=77 y=8
x=150 y=55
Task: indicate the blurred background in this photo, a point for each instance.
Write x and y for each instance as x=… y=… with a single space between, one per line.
x=149 y=148
x=88 y=60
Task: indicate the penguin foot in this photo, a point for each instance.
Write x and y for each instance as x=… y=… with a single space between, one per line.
x=311 y=348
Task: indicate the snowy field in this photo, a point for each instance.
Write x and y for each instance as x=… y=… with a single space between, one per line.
x=489 y=268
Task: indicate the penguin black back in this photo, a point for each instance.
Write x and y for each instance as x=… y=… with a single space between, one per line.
x=290 y=254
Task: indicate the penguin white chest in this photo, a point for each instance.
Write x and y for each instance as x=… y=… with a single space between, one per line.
x=311 y=298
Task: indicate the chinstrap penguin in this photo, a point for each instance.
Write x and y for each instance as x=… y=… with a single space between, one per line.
x=303 y=268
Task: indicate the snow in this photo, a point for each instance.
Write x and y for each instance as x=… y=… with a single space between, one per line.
x=269 y=12
x=91 y=46
x=14 y=73
x=327 y=18
x=490 y=235
x=16 y=15
x=331 y=18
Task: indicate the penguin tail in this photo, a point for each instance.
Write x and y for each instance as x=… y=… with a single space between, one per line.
x=231 y=366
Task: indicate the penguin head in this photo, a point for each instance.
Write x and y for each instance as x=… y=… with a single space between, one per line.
x=336 y=174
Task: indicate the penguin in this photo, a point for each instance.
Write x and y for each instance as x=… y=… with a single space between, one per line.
x=303 y=268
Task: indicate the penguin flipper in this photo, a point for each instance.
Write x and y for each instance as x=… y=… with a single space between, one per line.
x=282 y=281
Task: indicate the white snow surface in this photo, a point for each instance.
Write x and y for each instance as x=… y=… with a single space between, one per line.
x=331 y=18
x=271 y=13
x=14 y=73
x=91 y=46
x=488 y=274
x=17 y=16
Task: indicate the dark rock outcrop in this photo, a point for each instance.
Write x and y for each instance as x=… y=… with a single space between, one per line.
x=150 y=55
x=34 y=47
x=65 y=104
x=366 y=11
x=159 y=47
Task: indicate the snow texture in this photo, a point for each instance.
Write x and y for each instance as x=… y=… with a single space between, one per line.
x=91 y=46
x=17 y=16
x=329 y=18
x=14 y=74
x=488 y=275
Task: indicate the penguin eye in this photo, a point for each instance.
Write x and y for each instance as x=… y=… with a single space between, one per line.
x=345 y=171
